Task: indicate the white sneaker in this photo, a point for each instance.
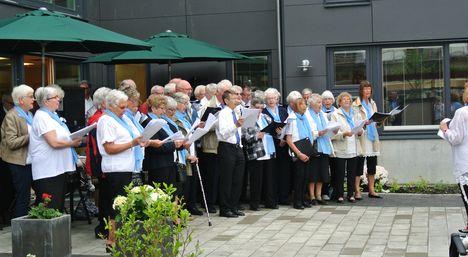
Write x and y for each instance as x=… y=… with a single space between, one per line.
x=325 y=198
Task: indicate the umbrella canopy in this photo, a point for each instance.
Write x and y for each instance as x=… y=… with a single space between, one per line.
x=42 y=29
x=170 y=47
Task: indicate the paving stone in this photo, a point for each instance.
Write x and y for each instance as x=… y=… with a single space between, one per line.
x=352 y=251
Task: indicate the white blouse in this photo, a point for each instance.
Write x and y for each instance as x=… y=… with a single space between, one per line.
x=457 y=136
x=46 y=161
x=109 y=130
x=226 y=130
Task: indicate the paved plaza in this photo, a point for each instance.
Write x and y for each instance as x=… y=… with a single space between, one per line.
x=399 y=225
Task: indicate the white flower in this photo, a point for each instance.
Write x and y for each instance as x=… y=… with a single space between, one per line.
x=148 y=188
x=154 y=196
x=135 y=190
x=30 y=255
x=119 y=201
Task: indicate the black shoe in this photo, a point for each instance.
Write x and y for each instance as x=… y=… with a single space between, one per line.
x=340 y=200
x=351 y=199
x=238 y=213
x=306 y=204
x=254 y=208
x=313 y=202
x=298 y=207
x=195 y=211
x=240 y=208
x=272 y=206
x=227 y=214
x=322 y=202
x=212 y=209
x=375 y=196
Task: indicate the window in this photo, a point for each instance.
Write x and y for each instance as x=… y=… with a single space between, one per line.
x=6 y=75
x=331 y=3
x=458 y=75
x=67 y=73
x=349 y=67
x=253 y=72
x=414 y=76
x=136 y=72
x=72 y=7
x=32 y=71
x=69 y=4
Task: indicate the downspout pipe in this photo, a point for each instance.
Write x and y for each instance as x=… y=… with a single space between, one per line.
x=280 y=49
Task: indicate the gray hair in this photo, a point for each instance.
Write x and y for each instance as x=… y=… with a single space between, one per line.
x=171 y=103
x=155 y=88
x=60 y=91
x=259 y=94
x=130 y=91
x=273 y=92
x=224 y=85
x=180 y=97
x=169 y=88
x=197 y=90
x=306 y=91
x=256 y=101
x=293 y=96
x=115 y=97
x=127 y=83
x=328 y=95
x=20 y=91
x=211 y=89
x=314 y=99
x=237 y=89
x=99 y=96
x=44 y=93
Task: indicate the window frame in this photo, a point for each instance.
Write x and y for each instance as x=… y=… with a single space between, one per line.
x=268 y=54
x=331 y=66
x=344 y=3
x=35 y=4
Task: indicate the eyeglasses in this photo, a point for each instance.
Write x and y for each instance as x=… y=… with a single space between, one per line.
x=55 y=97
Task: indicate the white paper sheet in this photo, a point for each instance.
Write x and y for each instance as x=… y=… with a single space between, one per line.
x=397 y=111
x=176 y=136
x=199 y=132
x=152 y=128
x=250 y=117
x=358 y=126
x=440 y=133
x=210 y=121
x=331 y=127
x=82 y=132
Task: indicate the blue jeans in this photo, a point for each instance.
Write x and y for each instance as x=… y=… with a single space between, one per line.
x=22 y=179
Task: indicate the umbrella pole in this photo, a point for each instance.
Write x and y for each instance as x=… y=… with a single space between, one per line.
x=169 y=70
x=43 y=45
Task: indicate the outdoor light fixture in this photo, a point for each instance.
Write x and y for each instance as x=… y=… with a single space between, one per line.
x=305 y=65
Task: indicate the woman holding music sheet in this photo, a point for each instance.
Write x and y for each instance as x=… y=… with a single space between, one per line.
x=298 y=134
x=320 y=172
x=346 y=146
x=369 y=140
x=160 y=157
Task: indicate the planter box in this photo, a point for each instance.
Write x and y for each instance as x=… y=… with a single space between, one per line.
x=42 y=237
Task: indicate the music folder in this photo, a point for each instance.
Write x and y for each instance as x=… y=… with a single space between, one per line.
x=271 y=128
x=212 y=110
x=305 y=146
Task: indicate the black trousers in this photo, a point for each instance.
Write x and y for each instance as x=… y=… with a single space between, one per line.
x=283 y=170
x=464 y=196
x=261 y=181
x=230 y=180
x=191 y=187
x=54 y=186
x=22 y=180
x=301 y=172
x=210 y=174
x=115 y=186
x=320 y=170
x=371 y=162
x=348 y=166
x=163 y=175
x=6 y=193
x=327 y=186
x=270 y=187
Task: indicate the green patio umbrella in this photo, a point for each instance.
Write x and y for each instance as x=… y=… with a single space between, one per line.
x=167 y=48
x=42 y=30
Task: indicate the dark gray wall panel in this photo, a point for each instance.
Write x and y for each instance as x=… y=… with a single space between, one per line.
x=313 y=24
x=144 y=28
x=124 y=9
x=195 y=73
x=228 y=6
x=303 y=2
x=397 y=20
x=316 y=83
x=238 y=32
x=315 y=54
x=9 y=11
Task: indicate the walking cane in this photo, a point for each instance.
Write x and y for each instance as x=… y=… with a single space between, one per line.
x=204 y=197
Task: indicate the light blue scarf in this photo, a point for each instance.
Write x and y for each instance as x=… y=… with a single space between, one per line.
x=183 y=118
x=303 y=127
x=371 y=129
x=274 y=114
x=323 y=142
x=349 y=117
x=166 y=127
x=137 y=124
x=54 y=116
x=26 y=116
x=269 y=139
x=137 y=150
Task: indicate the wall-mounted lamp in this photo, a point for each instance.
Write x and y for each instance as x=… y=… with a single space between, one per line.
x=305 y=65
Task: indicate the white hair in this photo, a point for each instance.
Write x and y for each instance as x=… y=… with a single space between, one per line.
x=197 y=90
x=169 y=88
x=42 y=94
x=180 y=97
x=211 y=89
x=273 y=92
x=99 y=96
x=171 y=103
x=224 y=85
x=259 y=94
x=237 y=89
x=115 y=97
x=20 y=91
x=306 y=91
x=154 y=89
x=328 y=95
x=293 y=96
x=314 y=99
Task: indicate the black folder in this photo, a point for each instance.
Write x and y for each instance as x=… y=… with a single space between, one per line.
x=271 y=128
x=212 y=110
x=305 y=146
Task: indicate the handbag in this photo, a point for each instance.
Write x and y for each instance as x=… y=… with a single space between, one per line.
x=181 y=171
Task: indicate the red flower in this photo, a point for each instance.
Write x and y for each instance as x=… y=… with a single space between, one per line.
x=46 y=196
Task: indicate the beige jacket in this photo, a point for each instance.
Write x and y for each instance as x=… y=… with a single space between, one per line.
x=345 y=147
x=15 y=139
x=209 y=142
x=368 y=148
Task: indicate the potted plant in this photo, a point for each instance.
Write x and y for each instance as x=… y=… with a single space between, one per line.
x=44 y=232
x=149 y=223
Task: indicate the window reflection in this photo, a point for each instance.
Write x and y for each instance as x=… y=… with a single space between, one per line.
x=6 y=75
x=67 y=73
x=349 y=67
x=252 y=73
x=69 y=4
x=414 y=76
x=458 y=74
x=32 y=71
x=136 y=72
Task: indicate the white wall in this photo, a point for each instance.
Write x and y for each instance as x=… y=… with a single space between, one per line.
x=411 y=160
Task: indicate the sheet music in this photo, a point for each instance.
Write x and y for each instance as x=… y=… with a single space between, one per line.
x=331 y=127
x=360 y=124
x=250 y=117
x=176 y=136
x=82 y=132
x=152 y=128
x=440 y=133
x=397 y=111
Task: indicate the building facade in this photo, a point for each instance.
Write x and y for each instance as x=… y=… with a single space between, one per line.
x=414 y=52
